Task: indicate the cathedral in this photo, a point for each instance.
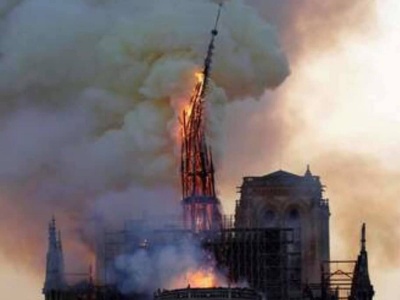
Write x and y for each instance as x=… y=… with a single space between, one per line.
x=279 y=244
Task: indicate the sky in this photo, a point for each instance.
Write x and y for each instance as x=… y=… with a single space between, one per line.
x=338 y=111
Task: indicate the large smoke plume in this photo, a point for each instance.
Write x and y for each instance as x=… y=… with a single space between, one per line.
x=91 y=93
x=72 y=79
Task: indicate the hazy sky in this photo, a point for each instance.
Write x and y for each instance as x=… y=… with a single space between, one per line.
x=338 y=111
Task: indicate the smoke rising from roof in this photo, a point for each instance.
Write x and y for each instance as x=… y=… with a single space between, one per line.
x=172 y=266
x=72 y=77
x=91 y=92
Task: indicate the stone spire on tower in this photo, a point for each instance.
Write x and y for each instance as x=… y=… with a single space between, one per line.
x=54 y=261
x=361 y=288
x=308 y=172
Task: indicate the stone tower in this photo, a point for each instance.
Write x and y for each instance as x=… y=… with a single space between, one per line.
x=285 y=200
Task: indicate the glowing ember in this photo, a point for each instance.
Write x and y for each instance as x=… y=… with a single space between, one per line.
x=184 y=106
x=196 y=91
x=202 y=279
x=199 y=77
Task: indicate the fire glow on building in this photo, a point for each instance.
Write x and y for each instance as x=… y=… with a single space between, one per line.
x=277 y=249
x=200 y=204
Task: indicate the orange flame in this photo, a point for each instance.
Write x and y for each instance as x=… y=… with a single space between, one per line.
x=202 y=278
x=199 y=76
x=199 y=81
x=185 y=105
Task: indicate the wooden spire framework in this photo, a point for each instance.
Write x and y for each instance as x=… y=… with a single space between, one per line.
x=201 y=209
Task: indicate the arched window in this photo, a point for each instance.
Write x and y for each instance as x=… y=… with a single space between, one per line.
x=292 y=220
x=294 y=215
x=268 y=218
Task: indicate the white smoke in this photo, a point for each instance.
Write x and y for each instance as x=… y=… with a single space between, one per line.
x=168 y=267
x=91 y=91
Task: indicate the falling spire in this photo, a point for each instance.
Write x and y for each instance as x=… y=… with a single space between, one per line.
x=210 y=52
x=201 y=211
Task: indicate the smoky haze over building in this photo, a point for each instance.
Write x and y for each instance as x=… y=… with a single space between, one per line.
x=101 y=137
x=278 y=244
x=86 y=180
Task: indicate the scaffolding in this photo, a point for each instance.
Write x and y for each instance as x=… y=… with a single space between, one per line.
x=259 y=257
x=336 y=278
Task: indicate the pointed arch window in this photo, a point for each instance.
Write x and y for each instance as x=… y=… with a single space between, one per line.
x=268 y=218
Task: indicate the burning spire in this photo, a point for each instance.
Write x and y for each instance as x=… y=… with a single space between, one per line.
x=200 y=205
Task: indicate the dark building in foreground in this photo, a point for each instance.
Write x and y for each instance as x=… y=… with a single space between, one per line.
x=285 y=200
x=261 y=257
x=279 y=246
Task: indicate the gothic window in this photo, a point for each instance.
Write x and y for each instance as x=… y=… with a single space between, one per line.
x=294 y=215
x=292 y=220
x=268 y=218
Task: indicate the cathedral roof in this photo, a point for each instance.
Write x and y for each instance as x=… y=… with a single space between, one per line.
x=281 y=176
x=276 y=178
x=285 y=179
